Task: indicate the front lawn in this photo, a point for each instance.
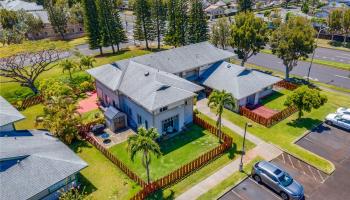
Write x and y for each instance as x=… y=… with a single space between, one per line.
x=199 y=175
x=275 y=101
x=287 y=131
x=177 y=151
x=102 y=179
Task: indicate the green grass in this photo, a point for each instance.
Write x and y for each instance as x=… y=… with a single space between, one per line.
x=190 y=181
x=13 y=91
x=30 y=113
x=102 y=179
x=287 y=131
x=327 y=44
x=176 y=151
x=229 y=182
x=37 y=45
x=275 y=101
x=90 y=116
x=327 y=63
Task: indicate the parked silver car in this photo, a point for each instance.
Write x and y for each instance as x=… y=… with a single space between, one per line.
x=277 y=179
x=339 y=120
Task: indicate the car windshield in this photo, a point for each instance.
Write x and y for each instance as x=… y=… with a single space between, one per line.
x=285 y=179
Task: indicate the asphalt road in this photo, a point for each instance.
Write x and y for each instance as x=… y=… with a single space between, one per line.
x=333 y=55
x=324 y=74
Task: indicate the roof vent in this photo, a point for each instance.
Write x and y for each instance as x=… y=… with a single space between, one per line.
x=228 y=66
x=147 y=74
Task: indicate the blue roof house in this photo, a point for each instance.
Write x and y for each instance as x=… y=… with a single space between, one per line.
x=33 y=164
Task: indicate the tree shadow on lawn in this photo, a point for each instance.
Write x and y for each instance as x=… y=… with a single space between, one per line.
x=307 y=123
x=168 y=145
x=86 y=185
x=160 y=194
x=273 y=96
x=77 y=145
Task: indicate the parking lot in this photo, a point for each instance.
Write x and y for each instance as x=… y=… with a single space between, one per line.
x=333 y=144
x=328 y=142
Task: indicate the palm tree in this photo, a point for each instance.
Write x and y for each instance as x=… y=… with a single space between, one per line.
x=87 y=62
x=144 y=141
x=220 y=99
x=68 y=65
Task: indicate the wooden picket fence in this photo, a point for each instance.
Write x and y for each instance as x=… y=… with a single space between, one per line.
x=190 y=167
x=85 y=129
x=287 y=85
x=268 y=122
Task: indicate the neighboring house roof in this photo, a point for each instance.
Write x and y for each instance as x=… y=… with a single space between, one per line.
x=8 y=113
x=183 y=58
x=33 y=162
x=17 y=5
x=42 y=14
x=212 y=8
x=239 y=81
x=148 y=87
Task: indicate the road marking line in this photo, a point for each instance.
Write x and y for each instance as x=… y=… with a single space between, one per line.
x=319 y=173
x=266 y=189
x=342 y=76
x=312 y=173
x=301 y=167
x=234 y=192
x=284 y=161
x=291 y=161
x=345 y=57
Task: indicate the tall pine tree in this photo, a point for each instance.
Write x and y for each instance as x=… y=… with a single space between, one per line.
x=170 y=36
x=91 y=24
x=181 y=22
x=197 y=23
x=112 y=32
x=158 y=12
x=143 y=28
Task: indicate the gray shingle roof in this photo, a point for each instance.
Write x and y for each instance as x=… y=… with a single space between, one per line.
x=20 y=5
x=149 y=87
x=8 y=114
x=239 y=81
x=46 y=161
x=182 y=58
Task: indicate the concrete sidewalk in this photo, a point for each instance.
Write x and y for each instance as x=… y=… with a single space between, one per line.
x=265 y=150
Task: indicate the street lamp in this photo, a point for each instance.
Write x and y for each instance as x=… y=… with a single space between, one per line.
x=247 y=124
x=313 y=53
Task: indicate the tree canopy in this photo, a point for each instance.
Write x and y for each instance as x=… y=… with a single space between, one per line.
x=248 y=35
x=305 y=99
x=292 y=41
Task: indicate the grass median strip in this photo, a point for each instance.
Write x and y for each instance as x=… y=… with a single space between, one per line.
x=229 y=182
x=327 y=63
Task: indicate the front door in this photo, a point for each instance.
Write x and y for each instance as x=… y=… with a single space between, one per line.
x=251 y=99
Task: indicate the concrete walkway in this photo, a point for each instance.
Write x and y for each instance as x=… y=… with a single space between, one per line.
x=265 y=150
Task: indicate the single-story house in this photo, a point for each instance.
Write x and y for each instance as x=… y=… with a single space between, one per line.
x=155 y=90
x=33 y=164
x=246 y=85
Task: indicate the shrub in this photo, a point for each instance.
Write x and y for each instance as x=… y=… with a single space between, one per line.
x=86 y=86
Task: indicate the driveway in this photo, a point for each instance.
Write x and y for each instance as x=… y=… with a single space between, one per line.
x=333 y=144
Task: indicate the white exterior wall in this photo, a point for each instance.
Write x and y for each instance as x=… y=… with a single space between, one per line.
x=188 y=111
x=7 y=127
x=179 y=110
x=126 y=104
x=112 y=96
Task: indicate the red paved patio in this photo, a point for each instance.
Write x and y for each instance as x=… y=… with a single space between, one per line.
x=264 y=111
x=88 y=104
